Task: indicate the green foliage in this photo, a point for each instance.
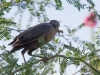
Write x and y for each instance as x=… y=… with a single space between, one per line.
x=58 y=4
x=54 y=53
x=77 y=4
x=91 y=2
x=9 y=63
x=63 y=66
x=4 y=28
x=5 y=6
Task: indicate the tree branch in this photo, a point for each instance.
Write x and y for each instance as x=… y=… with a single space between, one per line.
x=80 y=60
x=51 y=57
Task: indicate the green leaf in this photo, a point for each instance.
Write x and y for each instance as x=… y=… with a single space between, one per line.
x=77 y=4
x=3 y=47
x=63 y=66
x=77 y=28
x=17 y=1
x=91 y=2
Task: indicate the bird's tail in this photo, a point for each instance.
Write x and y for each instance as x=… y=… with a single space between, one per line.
x=11 y=43
x=15 y=48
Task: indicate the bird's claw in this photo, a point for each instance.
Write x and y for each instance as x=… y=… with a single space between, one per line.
x=45 y=59
x=60 y=31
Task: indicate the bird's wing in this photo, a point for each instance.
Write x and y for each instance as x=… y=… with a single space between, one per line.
x=32 y=34
x=14 y=40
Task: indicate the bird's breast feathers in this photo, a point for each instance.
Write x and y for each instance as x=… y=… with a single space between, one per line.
x=50 y=35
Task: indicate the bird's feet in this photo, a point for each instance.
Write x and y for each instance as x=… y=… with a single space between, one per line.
x=60 y=31
x=45 y=59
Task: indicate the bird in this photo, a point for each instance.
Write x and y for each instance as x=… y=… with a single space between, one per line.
x=28 y=39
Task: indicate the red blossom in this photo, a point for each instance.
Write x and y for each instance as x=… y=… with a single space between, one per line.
x=90 y=20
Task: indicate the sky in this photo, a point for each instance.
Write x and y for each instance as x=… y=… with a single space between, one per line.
x=69 y=16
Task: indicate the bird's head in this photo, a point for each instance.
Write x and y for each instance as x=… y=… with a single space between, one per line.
x=55 y=24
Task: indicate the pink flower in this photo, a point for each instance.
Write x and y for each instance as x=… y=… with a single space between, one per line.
x=90 y=20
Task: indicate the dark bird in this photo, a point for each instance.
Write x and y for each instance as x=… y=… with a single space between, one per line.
x=28 y=39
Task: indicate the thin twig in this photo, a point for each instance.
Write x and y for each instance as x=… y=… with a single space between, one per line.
x=67 y=40
x=79 y=70
x=18 y=30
